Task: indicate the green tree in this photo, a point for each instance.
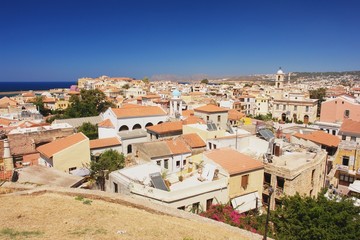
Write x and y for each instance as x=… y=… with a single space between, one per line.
x=89 y=103
x=109 y=161
x=39 y=103
x=309 y=218
x=126 y=86
x=90 y=130
x=205 y=81
x=319 y=94
x=146 y=80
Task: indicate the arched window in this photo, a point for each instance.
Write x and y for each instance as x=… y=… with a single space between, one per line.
x=123 y=128
x=136 y=126
x=306 y=119
x=160 y=122
x=148 y=124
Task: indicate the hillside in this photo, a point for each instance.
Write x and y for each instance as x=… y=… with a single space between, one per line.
x=65 y=215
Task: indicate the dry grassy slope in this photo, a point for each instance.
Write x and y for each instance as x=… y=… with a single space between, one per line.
x=57 y=216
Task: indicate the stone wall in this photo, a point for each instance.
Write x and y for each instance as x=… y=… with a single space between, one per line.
x=25 y=143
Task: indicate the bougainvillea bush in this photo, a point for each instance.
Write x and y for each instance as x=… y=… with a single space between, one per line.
x=227 y=214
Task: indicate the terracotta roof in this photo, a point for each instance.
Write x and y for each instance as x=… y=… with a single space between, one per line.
x=28 y=94
x=233 y=161
x=187 y=113
x=104 y=142
x=210 y=109
x=140 y=111
x=235 y=115
x=5 y=122
x=193 y=120
x=49 y=100
x=166 y=127
x=320 y=137
x=106 y=124
x=349 y=126
x=7 y=100
x=60 y=144
x=178 y=146
x=193 y=140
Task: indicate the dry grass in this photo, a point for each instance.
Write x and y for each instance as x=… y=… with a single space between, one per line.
x=55 y=216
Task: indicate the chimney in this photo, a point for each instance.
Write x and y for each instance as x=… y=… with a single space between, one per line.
x=6 y=149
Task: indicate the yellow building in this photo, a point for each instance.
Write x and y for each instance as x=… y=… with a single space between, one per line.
x=346 y=164
x=66 y=154
x=61 y=104
x=245 y=177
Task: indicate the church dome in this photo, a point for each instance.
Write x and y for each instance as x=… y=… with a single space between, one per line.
x=176 y=93
x=280 y=71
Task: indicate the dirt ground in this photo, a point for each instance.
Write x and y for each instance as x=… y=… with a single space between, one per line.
x=57 y=216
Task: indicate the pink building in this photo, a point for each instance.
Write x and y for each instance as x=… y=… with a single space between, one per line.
x=337 y=109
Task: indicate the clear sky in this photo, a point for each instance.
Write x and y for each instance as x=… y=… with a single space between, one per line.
x=62 y=40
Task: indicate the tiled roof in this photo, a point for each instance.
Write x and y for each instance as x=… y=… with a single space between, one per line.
x=58 y=145
x=233 y=161
x=49 y=100
x=104 y=142
x=5 y=122
x=193 y=120
x=178 y=146
x=210 y=109
x=28 y=94
x=193 y=140
x=320 y=137
x=7 y=100
x=166 y=127
x=106 y=124
x=351 y=127
x=235 y=115
x=139 y=111
x=187 y=113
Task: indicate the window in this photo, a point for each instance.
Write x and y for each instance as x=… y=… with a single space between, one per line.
x=209 y=203
x=347 y=113
x=353 y=139
x=306 y=108
x=342 y=102
x=116 y=188
x=195 y=207
x=184 y=162
x=346 y=178
x=207 y=118
x=181 y=208
x=72 y=169
x=214 y=146
x=284 y=107
x=158 y=162
x=210 y=145
x=245 y=181
x=166 y=163
x=177 y=164
x=343 y=137
x=345 y=160
x=295 y=108
x=277 y=106
x=219 y=118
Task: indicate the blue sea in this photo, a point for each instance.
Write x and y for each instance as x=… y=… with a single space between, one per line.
x=25 y=86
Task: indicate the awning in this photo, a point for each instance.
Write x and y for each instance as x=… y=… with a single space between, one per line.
x=355 y=186
x=82 y=172
x=246 y=202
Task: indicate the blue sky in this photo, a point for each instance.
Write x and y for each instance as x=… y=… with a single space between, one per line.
x=49 y=40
